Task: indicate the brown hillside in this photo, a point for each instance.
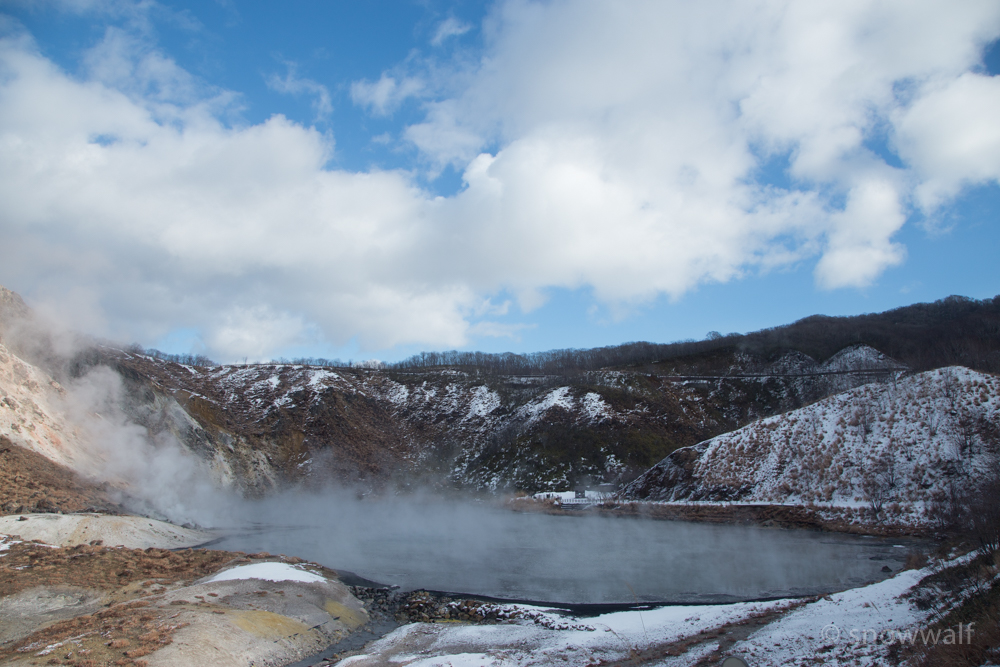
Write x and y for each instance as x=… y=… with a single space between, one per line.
x=29 y=482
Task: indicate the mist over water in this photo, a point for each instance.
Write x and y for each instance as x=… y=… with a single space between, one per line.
x=461 y=546
x=476 y=549
x=453 y=545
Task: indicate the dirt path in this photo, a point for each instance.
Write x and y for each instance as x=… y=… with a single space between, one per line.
x=133 y=532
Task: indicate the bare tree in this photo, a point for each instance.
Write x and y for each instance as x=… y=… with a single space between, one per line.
x=879 y=483
x=982 y=509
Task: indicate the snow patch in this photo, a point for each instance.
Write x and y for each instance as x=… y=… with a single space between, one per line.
x=595 y=407
x=878 y=610
x=483 y=402
x=557 y=398
x=397 y=394
x=317 y=379
x=545 y=637
x=268 y=572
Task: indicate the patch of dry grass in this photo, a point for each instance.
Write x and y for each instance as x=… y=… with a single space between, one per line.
x=29 y=482
x=118 y=635
x=26 y=565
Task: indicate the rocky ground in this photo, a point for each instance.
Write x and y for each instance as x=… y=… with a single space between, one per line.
x=95 y=605
x=91 y=605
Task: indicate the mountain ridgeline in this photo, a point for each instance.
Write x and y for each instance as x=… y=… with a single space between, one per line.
x=491 y=423
x=955 y=331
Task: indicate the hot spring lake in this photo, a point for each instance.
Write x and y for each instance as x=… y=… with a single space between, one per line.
x=571 y=560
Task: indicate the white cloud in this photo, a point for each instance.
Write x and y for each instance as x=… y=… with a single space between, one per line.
x=189 y=221
x=624 y=141
x=450 y=27
x=951 y=135
x=859 y=246
x=255 y=331
x=499 y=329
x=383 y=96
x=630 y=134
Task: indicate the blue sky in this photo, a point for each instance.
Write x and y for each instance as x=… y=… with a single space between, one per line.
x=367 y=180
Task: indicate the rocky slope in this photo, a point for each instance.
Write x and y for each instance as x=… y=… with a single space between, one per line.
x=902 y=446
x=29 y=482
x=260 y=428
x=316 y=424
x=267 y=426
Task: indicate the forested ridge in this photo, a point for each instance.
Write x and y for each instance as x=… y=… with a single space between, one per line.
x=952 y=331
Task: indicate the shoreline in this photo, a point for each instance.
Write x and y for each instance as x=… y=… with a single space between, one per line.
x=850 y=521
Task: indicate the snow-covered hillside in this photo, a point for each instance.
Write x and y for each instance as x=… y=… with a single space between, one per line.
x=902 y=443
x=484 y=430
x=262 y=427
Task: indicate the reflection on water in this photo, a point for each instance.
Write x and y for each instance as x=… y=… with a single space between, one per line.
x=477 y=550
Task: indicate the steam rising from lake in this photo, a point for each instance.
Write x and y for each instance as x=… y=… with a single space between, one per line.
x=461 y=546
x=476 y=549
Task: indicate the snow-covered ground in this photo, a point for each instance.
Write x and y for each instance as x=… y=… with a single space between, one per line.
x=856 y=627
x=544 y=637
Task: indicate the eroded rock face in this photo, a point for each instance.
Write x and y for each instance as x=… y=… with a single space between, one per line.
x=273 y=425
x=31 y=414
x=270 y=426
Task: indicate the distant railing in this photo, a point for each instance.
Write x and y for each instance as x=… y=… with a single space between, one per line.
x=737 y=376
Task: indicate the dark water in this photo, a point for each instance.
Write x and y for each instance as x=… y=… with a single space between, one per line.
x=570 y=559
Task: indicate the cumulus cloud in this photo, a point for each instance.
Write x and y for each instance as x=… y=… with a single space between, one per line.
x=613 y=146
x=951 y=136
x=630 y=136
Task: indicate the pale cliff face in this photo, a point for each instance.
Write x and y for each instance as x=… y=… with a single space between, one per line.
x=31 y=414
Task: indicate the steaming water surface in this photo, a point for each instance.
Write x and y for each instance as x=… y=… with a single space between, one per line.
x=569 y=559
